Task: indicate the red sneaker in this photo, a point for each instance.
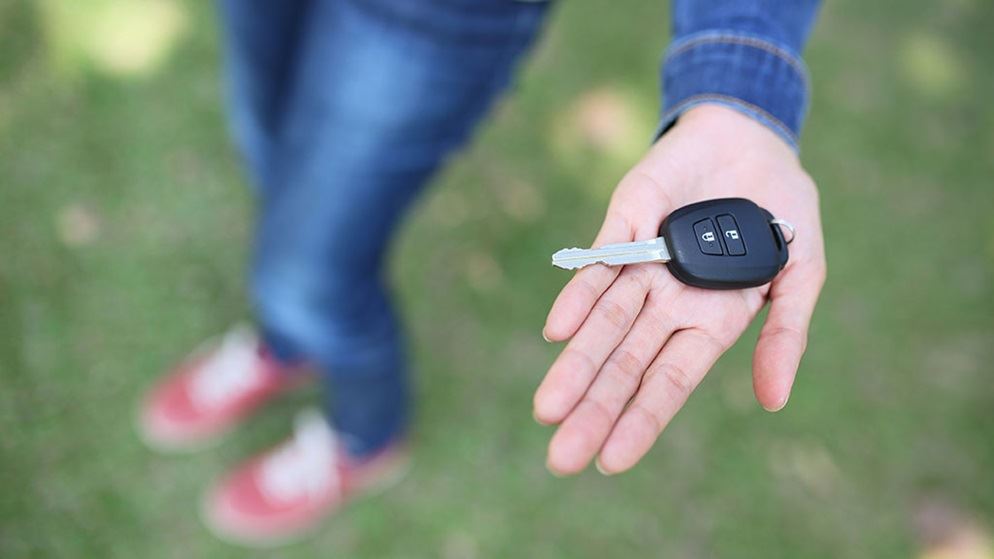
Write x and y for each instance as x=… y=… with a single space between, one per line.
x=284 y=493
x=211 y=392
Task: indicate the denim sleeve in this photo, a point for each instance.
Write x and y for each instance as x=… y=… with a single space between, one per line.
x=744 y=54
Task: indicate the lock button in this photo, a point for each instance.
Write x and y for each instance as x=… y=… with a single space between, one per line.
x=707 y=237
x=730 y=234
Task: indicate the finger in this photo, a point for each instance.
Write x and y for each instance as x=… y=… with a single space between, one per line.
x=784 y=336
x=675 y=373
x=574 y=369
x=587 y=285
x=639 y=205
x=583 y=432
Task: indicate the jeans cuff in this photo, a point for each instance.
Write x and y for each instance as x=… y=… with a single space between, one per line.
x=764 y=80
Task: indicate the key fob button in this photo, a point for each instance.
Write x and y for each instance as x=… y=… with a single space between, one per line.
x=707 y=237
x=731 y=235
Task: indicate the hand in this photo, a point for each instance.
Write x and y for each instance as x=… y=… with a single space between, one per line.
x=639 y=340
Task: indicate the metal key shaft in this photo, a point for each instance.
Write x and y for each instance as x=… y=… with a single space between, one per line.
x=652 y=250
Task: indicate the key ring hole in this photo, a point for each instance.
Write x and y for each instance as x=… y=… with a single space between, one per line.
x=786 y=225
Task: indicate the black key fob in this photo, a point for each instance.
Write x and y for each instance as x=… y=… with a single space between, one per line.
x=727 y=243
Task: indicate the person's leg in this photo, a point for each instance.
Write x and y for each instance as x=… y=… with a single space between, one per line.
x=260 y=42
x=223 y=382
x=383 y=91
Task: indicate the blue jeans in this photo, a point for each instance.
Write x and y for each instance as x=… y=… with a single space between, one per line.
x=343 y=110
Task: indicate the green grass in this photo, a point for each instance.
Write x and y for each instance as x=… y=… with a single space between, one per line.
x=124 y=223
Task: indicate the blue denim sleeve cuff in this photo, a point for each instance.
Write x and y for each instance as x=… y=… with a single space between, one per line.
x=755 y=76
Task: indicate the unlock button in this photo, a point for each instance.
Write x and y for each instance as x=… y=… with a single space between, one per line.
x=707 y=237
x=730 y=233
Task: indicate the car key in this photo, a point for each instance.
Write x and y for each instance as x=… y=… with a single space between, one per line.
x=727 y=243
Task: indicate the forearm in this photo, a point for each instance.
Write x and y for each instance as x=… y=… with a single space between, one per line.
x=742 y=54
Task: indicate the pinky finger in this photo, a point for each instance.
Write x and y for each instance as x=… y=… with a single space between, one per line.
x=581 y=293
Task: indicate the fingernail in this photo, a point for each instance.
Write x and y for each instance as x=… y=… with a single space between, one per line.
x=536 y=418
x=546 y=338
x=780 y=407
x=597 y=464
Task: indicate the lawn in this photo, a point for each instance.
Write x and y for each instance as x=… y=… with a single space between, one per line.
x=124 y=222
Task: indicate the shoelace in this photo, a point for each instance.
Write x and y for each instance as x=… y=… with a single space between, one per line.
x=306 y=465
x=229 y=371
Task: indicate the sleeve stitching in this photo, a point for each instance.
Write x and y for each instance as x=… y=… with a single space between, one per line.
x=766 y=46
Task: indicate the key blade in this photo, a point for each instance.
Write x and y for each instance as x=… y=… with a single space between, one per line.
x=617 y=254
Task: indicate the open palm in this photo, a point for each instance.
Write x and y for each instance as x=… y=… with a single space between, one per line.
x=639 y=340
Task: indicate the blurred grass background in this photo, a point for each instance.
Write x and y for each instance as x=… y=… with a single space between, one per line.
x=124 y=219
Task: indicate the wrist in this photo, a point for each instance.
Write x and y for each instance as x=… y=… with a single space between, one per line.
x=711 y=114
x=725 y=128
